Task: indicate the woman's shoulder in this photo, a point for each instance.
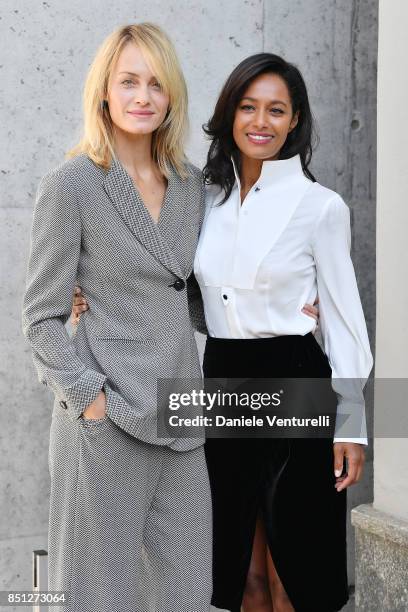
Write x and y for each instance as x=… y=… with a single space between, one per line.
x=193 y=172
x=213 y=194
x=71 y=177
x=74 y=168
x=330 y=210
x=326 y=200
x=72 y=172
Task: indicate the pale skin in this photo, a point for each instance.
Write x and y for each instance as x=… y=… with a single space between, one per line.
x=137 y=106
x=265 y=109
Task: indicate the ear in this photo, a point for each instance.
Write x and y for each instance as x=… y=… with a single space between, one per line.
x=294 y=121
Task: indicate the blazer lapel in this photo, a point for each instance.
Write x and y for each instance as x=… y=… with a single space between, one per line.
x=173 y=209
x=127 y=201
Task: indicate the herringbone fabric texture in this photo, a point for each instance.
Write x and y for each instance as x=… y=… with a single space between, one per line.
x=130 y=514
x=91 y=227
x=130 y=522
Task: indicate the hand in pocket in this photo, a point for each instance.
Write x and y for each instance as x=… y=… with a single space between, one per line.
x=96 y=410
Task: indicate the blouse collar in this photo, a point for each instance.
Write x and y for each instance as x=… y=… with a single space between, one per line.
x=274 y=171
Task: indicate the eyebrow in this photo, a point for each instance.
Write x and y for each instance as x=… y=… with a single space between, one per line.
x=271 y=101
x=134 y=74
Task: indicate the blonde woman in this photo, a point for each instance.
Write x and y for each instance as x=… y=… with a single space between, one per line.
x=130 y=513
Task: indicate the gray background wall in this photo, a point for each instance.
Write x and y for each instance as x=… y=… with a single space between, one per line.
x=46 y=49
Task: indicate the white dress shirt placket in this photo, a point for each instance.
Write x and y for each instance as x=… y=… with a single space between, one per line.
x=228 y=294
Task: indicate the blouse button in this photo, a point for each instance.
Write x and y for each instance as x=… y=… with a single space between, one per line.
x=225 y=297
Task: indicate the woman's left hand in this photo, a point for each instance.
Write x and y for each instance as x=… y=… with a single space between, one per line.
x=355 y=457
x=312 y=311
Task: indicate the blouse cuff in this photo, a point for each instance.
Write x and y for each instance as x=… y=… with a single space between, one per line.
x=351 y=422
x=363 y=441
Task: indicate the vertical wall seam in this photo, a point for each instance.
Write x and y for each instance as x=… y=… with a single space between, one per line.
x=263 y=25
x=353 y=93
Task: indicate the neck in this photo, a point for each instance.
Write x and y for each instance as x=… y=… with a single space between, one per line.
x=134 y=152
x=250 y=171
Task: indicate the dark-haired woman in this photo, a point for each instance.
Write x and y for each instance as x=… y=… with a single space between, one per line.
x=277 y=240
x=272 y=239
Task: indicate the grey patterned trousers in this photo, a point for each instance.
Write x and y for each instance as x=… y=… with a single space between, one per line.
x=130 y=522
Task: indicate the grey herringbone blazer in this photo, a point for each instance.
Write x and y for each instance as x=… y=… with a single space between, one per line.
x=91 y=227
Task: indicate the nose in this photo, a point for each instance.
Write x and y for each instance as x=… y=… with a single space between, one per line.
x=142 y=96
x=260 y=119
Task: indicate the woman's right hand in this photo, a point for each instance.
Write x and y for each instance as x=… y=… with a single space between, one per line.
x=79 y=305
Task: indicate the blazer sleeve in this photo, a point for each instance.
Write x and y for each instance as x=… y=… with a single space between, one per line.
x=195 y=302
x=47 y=303
x=195 y=305
x=342 y=320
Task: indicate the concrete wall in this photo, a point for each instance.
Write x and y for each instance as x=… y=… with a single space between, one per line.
x=391 y=456
x=47 y=47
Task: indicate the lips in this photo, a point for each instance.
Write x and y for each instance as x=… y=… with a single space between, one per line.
x=141 y=113
x=259 y=138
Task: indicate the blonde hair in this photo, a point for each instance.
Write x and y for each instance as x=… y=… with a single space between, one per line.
x=159 y=52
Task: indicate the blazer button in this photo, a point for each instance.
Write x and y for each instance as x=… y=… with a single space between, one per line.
x=63 y=404
x=179 y=284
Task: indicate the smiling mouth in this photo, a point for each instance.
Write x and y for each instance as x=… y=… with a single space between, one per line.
x=259 y=138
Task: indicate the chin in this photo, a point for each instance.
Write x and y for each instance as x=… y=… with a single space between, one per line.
x=255 y=153
x=135 y=131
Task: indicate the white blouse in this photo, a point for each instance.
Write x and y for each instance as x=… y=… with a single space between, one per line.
x=259 y=263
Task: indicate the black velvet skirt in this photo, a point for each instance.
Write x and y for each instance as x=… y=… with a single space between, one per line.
x=288 y=482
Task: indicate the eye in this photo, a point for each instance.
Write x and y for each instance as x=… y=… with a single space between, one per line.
x=127 y=82
x=246 y=107
x=277 y=111
x=156 y=85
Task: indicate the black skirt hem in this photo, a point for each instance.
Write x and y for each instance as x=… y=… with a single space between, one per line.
x=222 y=605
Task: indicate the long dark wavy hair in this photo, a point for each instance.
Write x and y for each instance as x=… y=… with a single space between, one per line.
x=301 y=140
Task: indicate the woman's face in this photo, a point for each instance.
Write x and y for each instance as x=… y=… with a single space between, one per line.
x=137 y=104
x=264 y=118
